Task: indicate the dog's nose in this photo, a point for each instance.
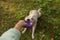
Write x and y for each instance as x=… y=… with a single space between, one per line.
x=28 y=19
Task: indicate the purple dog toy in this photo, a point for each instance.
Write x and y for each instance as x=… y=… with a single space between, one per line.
x=29 y=24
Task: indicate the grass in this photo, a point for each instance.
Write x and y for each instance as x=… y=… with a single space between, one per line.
x=48 y=27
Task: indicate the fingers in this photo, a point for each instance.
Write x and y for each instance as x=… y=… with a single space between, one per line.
x=22 y=22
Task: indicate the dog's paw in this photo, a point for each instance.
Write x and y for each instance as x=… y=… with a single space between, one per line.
x=32 y=37
x=23 y=32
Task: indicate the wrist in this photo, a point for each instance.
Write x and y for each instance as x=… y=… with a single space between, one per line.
x=18 y=27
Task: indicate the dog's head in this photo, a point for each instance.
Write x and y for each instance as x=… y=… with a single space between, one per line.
x=36 y=13
x=33 y=15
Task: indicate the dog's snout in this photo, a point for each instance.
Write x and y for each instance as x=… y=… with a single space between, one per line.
x=28 y=19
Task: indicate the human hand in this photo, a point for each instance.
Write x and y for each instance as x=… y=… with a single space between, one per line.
x=20 y=24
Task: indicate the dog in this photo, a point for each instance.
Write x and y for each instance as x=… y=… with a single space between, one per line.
x=33 y=16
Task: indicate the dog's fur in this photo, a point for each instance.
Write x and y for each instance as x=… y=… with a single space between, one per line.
x=33 y=16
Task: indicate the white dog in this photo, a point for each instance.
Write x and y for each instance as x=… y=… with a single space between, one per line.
x=33 y=16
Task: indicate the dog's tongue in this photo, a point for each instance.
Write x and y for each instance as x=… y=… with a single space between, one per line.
x=29 y=24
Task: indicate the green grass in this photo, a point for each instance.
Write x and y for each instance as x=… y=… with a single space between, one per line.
x=48 y=27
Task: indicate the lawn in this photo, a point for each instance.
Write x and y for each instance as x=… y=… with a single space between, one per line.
x=48 y=25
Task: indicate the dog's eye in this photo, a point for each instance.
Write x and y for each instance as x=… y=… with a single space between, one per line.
x=32 y=18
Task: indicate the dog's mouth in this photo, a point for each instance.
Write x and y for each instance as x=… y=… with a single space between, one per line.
x=28 y=19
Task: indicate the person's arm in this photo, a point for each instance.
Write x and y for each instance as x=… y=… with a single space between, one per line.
x=11 y=34
x=14 y=33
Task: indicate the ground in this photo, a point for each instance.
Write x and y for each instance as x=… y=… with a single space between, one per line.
x=48 y=25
